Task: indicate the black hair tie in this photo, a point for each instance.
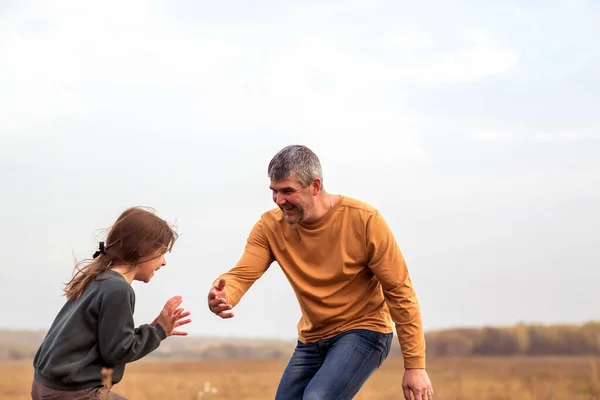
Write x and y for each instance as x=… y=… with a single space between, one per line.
x=100 y=250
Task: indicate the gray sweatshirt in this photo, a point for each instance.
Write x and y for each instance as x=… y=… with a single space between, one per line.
x=94 y=332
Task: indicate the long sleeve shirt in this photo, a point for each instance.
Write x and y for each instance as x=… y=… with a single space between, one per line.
x=94 y=332
x=346 y=270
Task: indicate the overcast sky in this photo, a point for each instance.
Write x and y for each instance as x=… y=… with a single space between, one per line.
x=473 y=126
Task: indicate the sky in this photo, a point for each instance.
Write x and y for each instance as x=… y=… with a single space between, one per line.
x=472 y=126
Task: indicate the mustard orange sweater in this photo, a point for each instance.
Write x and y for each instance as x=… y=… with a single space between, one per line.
x=346 y=271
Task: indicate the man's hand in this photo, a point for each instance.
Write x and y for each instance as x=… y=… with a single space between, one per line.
x=417 y=382
x=171 y=317
x=216 y=301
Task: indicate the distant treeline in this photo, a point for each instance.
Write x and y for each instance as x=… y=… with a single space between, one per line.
x=517 y=340
x=521 y=339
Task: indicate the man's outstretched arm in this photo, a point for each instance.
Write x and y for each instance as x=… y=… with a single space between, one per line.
x=229 y=287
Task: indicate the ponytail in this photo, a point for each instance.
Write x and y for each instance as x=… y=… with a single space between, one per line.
x=86 y=272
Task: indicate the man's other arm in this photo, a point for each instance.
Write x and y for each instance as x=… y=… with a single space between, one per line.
x=388 y=264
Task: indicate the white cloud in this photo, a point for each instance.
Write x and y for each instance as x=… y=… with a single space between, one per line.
x=481 y=59
x=547 y=137
x=492 y=136
x=519 y=12
x=428 y=61
x=409 y=40
x=564 y=136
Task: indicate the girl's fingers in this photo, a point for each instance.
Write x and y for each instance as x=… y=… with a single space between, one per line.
x=179 y=315
x=173 y=303
x=184 y=322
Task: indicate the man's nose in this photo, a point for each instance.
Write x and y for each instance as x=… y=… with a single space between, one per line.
x=279 y=199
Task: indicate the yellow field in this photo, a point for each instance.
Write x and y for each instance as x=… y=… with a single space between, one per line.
x=453 y=379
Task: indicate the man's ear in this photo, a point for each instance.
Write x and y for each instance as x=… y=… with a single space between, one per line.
x=316 y=186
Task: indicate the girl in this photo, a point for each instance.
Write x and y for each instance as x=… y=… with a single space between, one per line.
x=94 y=331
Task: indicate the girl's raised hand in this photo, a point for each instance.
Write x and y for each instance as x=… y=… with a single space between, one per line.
x=172 y=316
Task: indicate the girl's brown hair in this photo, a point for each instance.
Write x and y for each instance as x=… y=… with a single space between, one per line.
x=137 y=234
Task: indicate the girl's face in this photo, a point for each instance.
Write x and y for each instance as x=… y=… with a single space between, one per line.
x=145 y=270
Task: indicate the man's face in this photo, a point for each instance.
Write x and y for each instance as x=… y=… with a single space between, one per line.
x=295 y=201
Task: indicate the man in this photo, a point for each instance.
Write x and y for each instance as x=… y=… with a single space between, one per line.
x=349 y=277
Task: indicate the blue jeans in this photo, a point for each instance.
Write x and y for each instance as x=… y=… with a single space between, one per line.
x=334 y=368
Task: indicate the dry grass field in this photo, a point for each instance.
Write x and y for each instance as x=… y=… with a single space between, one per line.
x=453 y=379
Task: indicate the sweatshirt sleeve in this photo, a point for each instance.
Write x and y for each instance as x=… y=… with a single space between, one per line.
x=254 y=262
x=388 y=264
x=119 y=340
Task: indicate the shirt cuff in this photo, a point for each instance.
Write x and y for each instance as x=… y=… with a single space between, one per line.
x=161 y=331
x=414 y=363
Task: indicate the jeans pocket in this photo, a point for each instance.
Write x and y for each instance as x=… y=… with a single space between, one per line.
x=387 y=348
x=380 y=342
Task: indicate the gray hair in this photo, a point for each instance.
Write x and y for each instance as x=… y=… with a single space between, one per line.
x=295 y=160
